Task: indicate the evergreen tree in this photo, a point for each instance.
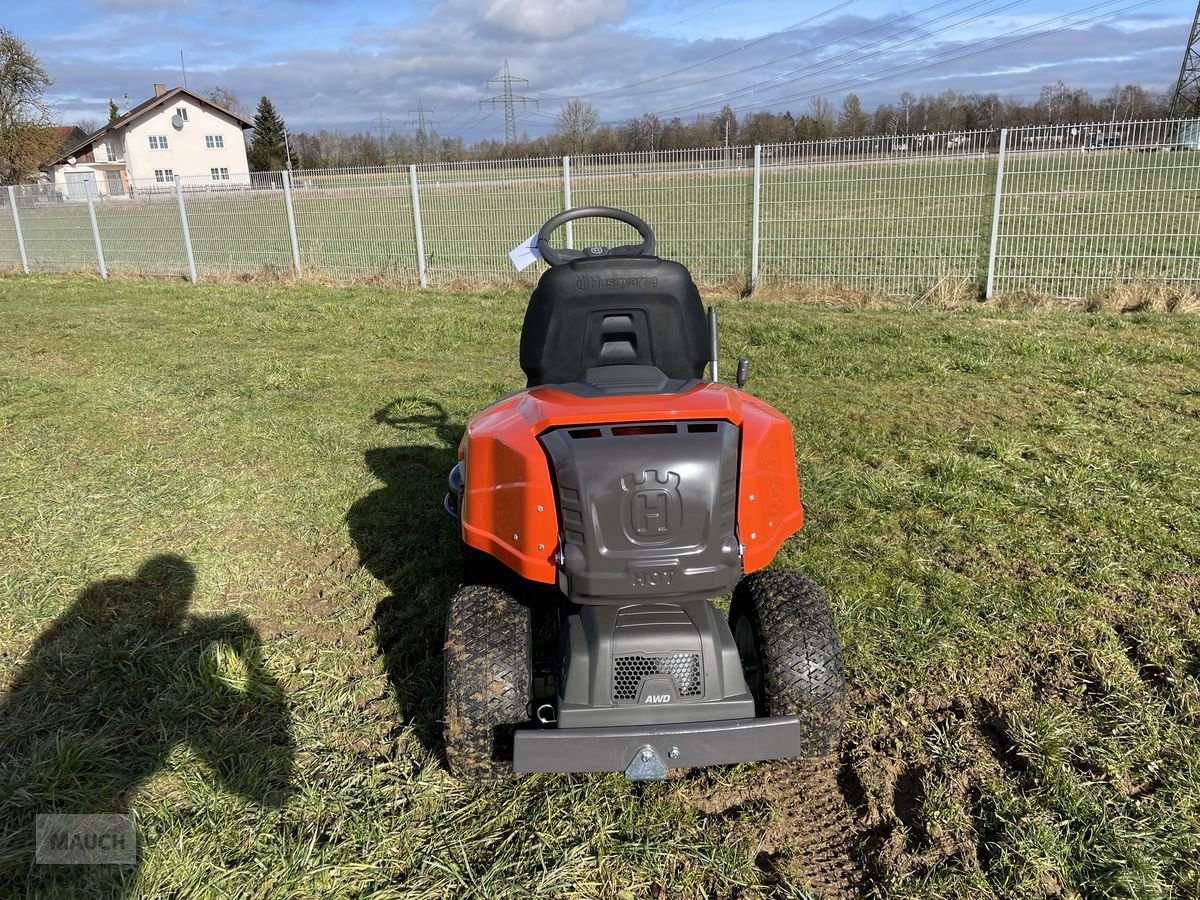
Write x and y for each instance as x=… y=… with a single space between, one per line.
x=113 y=112
x=268 y=148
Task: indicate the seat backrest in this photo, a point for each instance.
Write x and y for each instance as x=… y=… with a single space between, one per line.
x=614 y=311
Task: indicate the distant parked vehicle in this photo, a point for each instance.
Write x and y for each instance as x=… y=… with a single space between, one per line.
x=1105 y=143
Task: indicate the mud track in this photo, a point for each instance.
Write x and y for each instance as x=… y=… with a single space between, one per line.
x=808 y=827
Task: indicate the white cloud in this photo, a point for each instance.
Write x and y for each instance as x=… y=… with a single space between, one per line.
x=548 y=20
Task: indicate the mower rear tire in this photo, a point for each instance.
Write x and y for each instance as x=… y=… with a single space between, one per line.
x=488 y=680
x=791 y=654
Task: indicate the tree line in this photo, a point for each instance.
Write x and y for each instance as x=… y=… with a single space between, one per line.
x=577 y=128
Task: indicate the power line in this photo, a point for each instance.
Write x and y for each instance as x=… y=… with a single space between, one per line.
x=851 y=57
x=807 y=51
x=746 y=46
x=509 y=101
x=823 y=67
x=965 y=51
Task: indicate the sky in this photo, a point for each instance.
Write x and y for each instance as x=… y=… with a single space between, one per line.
x=372 y=64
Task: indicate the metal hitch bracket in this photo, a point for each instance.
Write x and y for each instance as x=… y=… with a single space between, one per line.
x=646 y=766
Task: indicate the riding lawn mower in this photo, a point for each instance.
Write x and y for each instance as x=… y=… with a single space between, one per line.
x=601 y=510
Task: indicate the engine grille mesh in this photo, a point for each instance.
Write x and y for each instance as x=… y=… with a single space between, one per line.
x=630 y=670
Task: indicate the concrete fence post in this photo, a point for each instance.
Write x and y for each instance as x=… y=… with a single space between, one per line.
x=567 y=199
x=12 y=203
x=755 y=216
x=291 y=220
x=416 y=204
x=991 y=268
x=187 y=234
x=95 y=228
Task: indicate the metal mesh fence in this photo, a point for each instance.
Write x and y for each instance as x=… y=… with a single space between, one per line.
x=473 y=213
x=1061 y=210
x=356 y=223
x=141 y=233
x=237 y=228
x=697 y=202
x=10 y=253
x=1085 y=206
x=58 y=235
x=892 y=214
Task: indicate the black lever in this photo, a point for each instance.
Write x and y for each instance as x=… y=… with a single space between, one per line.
x=743 y=372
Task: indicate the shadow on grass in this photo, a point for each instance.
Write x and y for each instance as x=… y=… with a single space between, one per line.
x=405 y=539
x=108 y=692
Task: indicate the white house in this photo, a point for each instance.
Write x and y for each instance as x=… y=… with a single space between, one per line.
x=173 y=133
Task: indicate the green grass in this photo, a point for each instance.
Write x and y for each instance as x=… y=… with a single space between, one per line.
x=224 y=572
x=1070 y=223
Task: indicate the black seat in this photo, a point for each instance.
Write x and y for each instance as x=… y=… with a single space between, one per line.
x=614 y=311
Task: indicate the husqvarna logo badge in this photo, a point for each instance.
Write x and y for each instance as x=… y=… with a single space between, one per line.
x=652 y=506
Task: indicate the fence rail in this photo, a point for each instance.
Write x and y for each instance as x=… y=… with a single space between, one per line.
x=1063 y=210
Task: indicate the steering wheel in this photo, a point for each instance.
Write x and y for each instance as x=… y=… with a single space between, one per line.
x=562 y=257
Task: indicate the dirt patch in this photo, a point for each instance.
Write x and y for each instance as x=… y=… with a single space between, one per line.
x=810 y=828
x=313 y=595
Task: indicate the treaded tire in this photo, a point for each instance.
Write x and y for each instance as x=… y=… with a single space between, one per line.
x=488 y=680
x=791 y=654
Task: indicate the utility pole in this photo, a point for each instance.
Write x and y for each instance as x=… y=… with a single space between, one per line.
x=510 y=100
x=420 y=123
x=1185 y=103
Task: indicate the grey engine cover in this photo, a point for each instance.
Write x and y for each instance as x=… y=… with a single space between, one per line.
x=648 y=511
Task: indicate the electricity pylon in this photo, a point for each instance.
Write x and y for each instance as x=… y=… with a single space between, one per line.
x=421 y=124
x=510 y=101
x=1185 y=104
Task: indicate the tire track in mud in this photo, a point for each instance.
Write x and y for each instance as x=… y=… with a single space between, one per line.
x=809 y=839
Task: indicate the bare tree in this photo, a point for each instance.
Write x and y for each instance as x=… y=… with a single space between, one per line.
x=26 y=141
x=852 y=122
x=226 y=99
x=88 y=126
x=574 y=125
x=822 y=115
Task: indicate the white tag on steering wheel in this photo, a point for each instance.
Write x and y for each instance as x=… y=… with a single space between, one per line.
x=525 y=253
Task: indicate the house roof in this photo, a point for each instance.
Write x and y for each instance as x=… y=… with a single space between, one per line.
x=66 y=133
x=130 y=117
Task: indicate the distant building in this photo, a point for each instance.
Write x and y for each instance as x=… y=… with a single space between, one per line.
x=67 y=136
x=173 y=133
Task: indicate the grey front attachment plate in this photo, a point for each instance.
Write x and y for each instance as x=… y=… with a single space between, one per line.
x=677 y=746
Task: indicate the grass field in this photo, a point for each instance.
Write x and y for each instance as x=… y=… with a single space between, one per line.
x=1070 y=223
x=224 y=572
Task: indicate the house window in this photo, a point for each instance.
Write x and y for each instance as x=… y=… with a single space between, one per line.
x=158 y=142
x=214 y=141
x=164 y=174
x=221 y=174
x=182 y=113
x=110 y=148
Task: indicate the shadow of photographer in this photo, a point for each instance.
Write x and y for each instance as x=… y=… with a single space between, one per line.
x=108 y=692
x=406 y=541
